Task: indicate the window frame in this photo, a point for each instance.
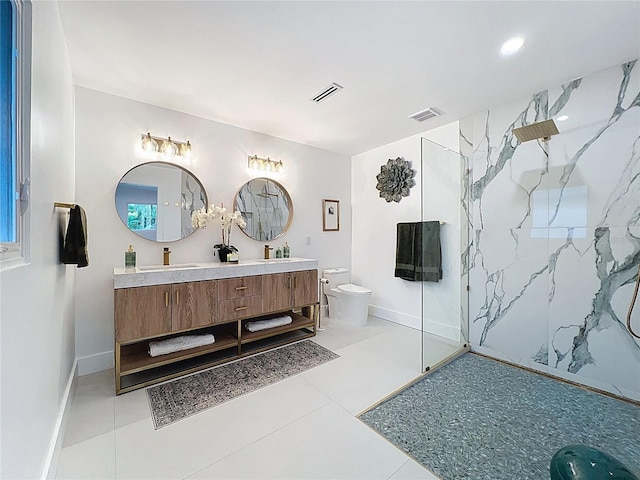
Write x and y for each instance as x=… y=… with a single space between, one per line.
x=17 y=253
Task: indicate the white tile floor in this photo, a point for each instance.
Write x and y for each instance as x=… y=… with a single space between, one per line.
x=302 y=427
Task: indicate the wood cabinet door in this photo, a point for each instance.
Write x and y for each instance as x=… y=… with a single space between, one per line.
x=193 y=304
x=142 y=312
x=305 y=287
x=276 y=292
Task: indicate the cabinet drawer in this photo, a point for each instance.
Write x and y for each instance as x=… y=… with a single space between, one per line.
x=239 y=287
x=239 y=308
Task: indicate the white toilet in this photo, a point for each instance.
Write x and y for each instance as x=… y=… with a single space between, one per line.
x=347 y=302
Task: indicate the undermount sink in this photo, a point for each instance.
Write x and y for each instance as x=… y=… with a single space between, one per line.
x=273 y=260
x=181 y=266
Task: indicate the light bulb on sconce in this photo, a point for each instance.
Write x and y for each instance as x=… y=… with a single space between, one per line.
x=265 y=164
x=169 y=148
x=186 y=151
x=149 y=144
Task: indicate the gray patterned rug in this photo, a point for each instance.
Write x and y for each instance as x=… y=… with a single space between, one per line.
x=479 y=419
x=187 y=396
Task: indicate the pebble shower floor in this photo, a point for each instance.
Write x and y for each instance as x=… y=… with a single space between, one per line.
x=476 y=418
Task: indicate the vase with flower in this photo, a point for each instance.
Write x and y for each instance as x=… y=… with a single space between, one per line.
x=202 y=217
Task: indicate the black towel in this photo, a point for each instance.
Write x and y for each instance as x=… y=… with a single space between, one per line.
x=418 y=252
x=431 y=258
x=405 y=254
x=75 y=241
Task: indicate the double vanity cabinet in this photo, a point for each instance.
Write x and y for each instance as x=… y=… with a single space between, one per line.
x=158 y=303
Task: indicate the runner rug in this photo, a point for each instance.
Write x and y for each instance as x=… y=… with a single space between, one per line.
x=189 y=395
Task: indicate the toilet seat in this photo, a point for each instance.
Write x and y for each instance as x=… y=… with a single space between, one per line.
x=351 y=289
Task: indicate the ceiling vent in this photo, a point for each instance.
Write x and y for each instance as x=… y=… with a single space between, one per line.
x=426 y=114
x=326 y=93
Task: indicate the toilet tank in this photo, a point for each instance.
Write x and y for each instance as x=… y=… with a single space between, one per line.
x=336 y=276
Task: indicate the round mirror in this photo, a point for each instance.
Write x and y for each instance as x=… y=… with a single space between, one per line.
x=155 y=200
x=266 y=207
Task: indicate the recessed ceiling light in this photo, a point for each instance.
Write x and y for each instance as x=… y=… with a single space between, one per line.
x=562 y=118
x=512 y=45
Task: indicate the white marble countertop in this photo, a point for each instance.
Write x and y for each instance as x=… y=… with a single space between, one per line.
x=143 y=276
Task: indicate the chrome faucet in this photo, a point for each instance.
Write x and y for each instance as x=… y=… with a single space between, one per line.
x=266 y=251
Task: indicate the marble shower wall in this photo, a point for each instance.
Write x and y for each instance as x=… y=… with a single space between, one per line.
x=554 y=231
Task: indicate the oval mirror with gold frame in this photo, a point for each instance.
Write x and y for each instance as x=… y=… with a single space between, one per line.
x=155 y=200
x=266 y=207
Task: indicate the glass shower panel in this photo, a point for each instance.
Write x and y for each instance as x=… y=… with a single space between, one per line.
x=444 y=302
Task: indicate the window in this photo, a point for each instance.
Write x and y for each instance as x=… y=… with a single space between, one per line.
x=15 y=105
x=142 y=216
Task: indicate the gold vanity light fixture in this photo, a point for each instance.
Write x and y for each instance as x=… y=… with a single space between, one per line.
x=167 y=147
x=265 y=164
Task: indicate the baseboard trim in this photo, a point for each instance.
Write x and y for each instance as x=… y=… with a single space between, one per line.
x=95 y=363
x=396 y=317
x=440 y=329
x=55 y=447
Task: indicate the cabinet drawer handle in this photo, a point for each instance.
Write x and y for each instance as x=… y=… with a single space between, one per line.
x=177 y=298
x=166 y=299
x=237 y=309
x=295 y=282
x=242 y=288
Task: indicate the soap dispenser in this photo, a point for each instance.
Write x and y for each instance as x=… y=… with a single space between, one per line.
x=278 y=253
x=130 y=258
x=285 y=250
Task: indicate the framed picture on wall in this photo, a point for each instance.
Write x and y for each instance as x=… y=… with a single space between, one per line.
x=330 y=215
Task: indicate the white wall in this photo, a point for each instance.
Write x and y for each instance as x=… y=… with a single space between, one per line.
x=37 y=307
x=374 y=230
x=221 y=165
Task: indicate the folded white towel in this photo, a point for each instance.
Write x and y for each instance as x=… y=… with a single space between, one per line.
x=176 y=344
x=270 y=323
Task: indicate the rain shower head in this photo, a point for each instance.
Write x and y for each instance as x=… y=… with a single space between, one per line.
x=535 y=131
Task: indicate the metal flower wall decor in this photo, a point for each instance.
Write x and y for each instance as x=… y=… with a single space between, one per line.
x=395 y=179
